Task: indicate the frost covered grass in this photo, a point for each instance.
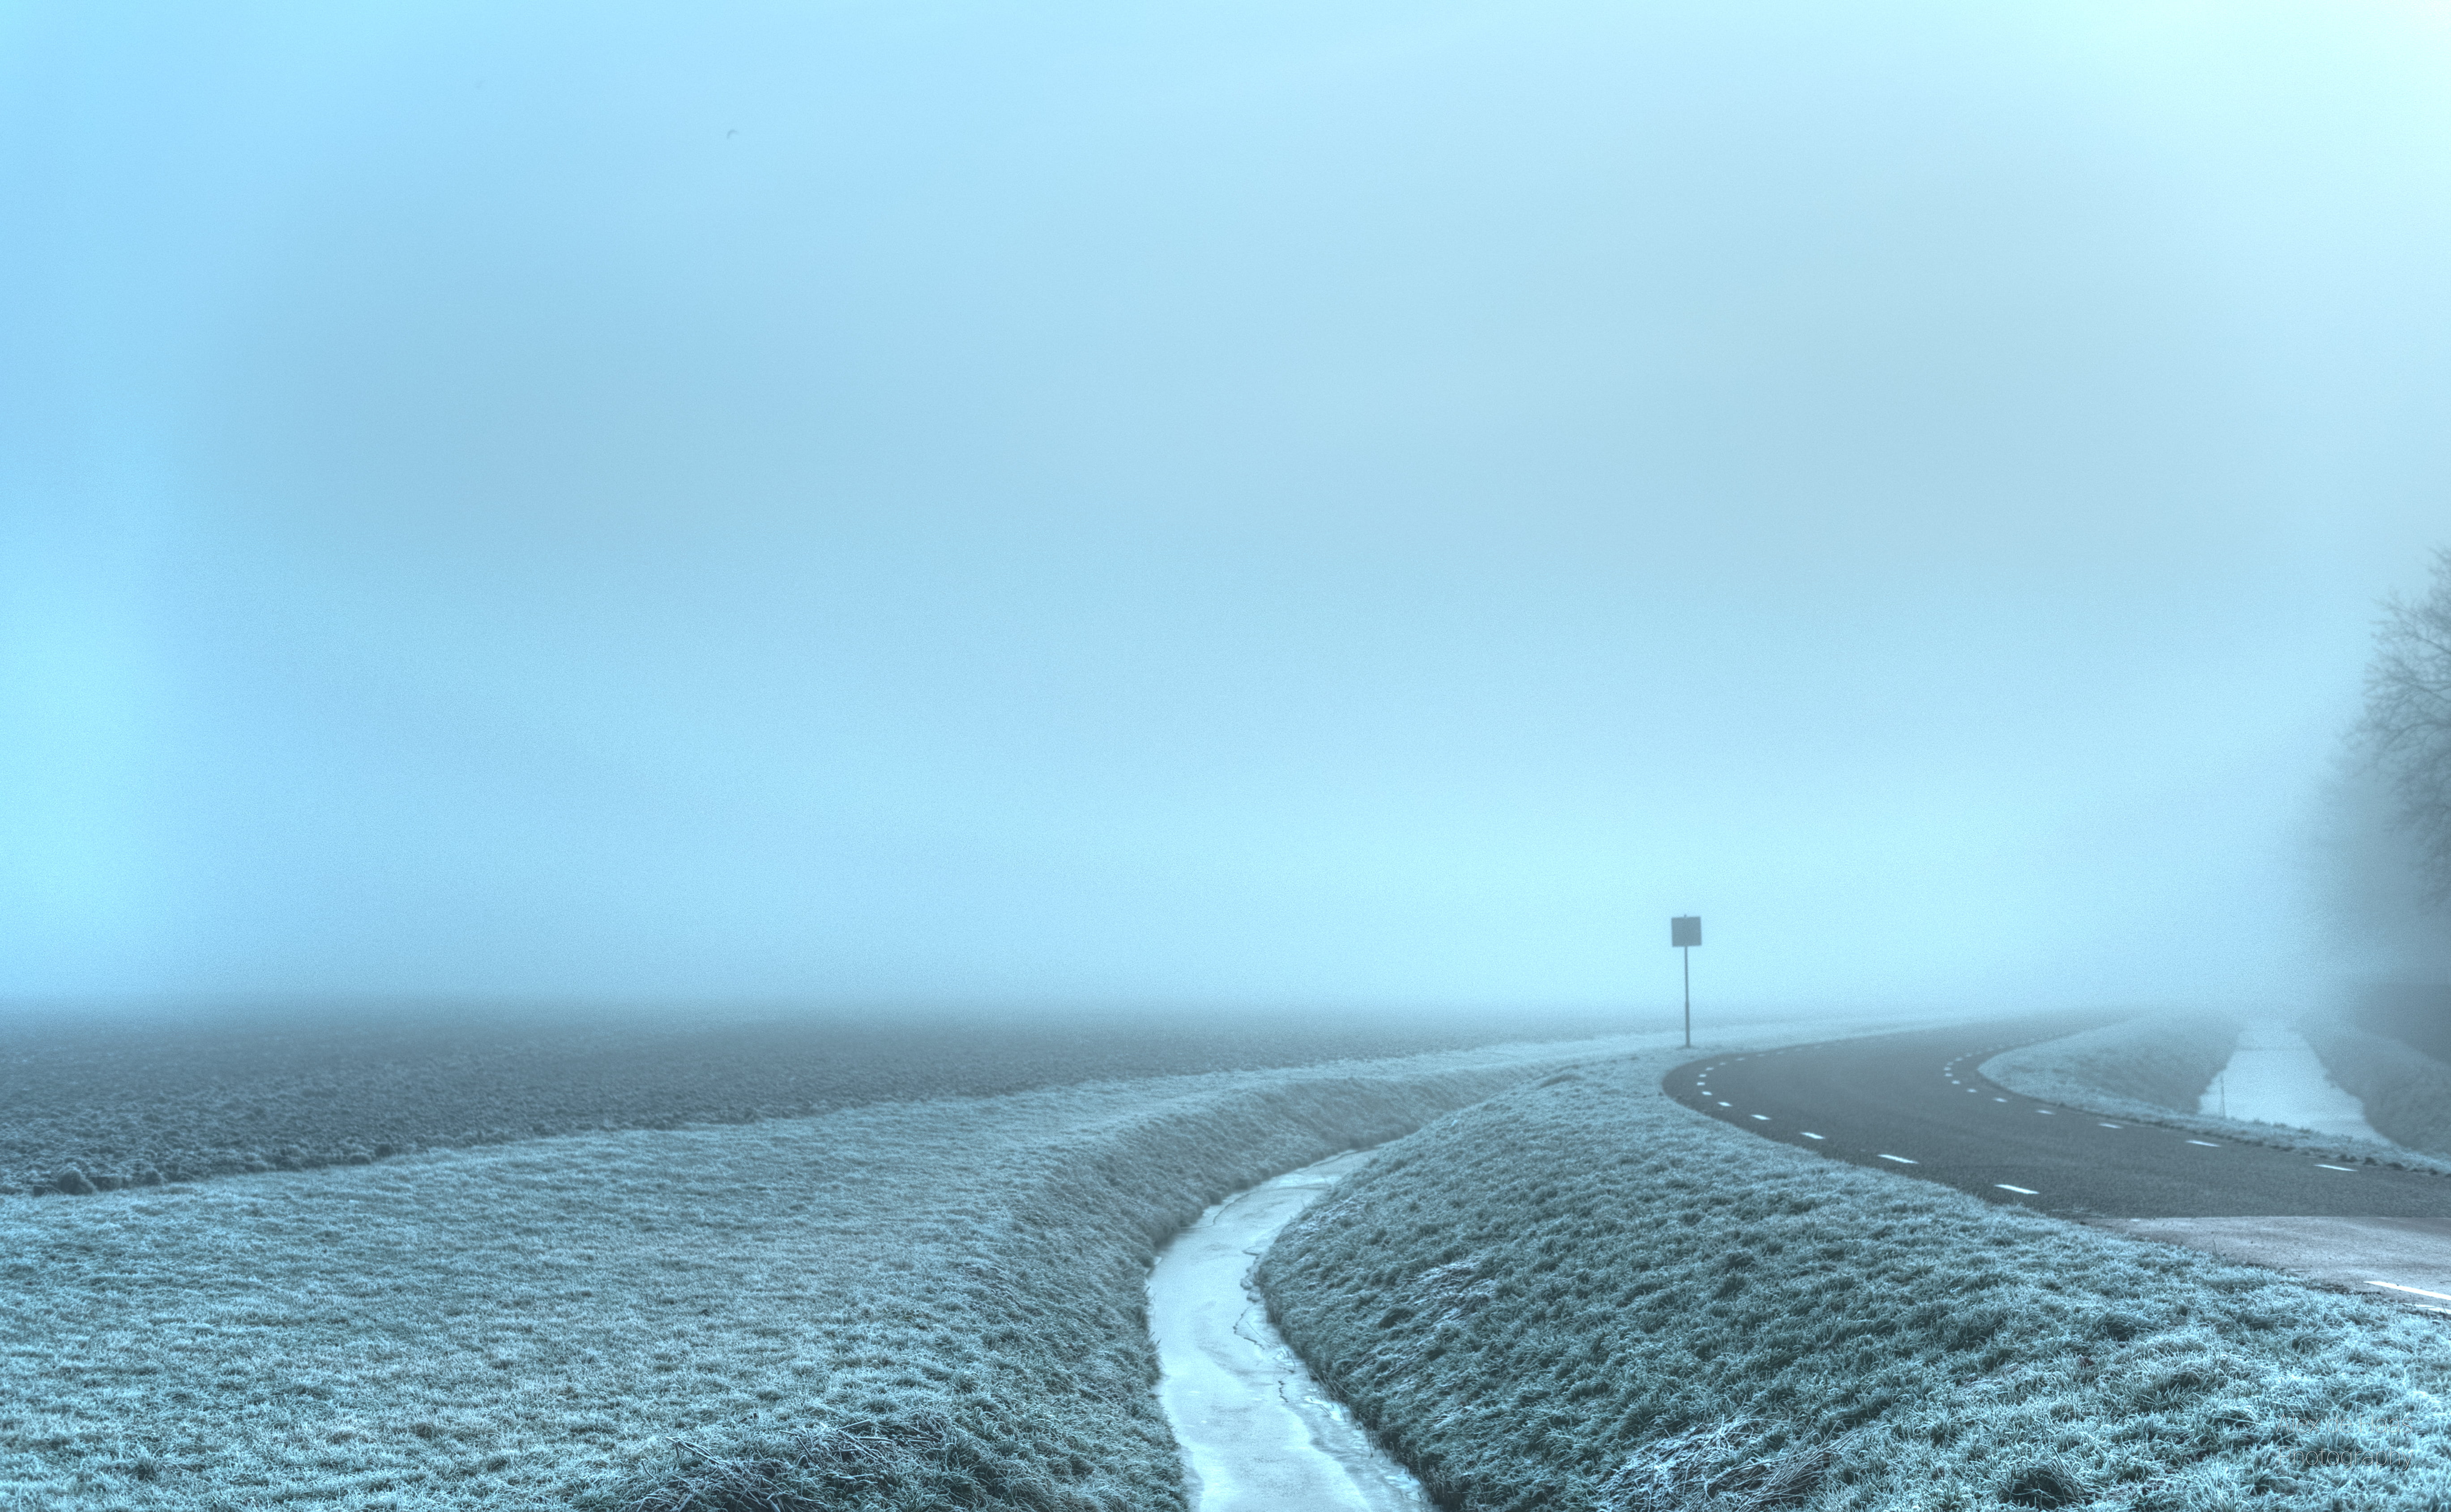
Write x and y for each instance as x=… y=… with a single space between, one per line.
x=1582 y=1295
x=2161 y=1063
x=103 y=1101
x=2155 y=1070
x=2407 y=1092
x=909 y=1304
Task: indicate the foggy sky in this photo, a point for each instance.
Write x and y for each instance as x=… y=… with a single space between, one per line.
x=1271 y=503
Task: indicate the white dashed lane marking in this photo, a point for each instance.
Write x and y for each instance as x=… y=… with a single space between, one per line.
x=1702 y=1087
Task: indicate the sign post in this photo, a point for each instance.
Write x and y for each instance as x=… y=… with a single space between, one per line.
x=1685 y=932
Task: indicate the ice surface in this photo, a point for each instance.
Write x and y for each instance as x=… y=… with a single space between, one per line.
x=1257 y=1433
x=2275 y=1078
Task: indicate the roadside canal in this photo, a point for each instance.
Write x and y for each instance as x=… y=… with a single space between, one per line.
x=1257 y=1433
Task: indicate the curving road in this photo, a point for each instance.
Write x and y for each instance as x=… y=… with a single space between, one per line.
x=1912 y=1104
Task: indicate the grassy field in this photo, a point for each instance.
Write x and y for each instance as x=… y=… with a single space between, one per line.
x=102 y=1100
x=932 y=1304
x=1578 y=1295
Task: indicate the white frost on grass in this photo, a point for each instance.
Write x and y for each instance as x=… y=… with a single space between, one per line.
x=1583 y=1295
x=526 y=1324
x=2406 y=1094
x=2158 y=1060
x=2274 y=1076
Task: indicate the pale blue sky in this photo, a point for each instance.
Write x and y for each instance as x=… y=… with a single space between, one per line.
x=1202 y=503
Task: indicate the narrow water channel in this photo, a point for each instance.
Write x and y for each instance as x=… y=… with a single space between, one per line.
x=2275 y=1078
x=1258 y=1434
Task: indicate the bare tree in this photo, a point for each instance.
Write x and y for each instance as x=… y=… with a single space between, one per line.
x=2406 y=732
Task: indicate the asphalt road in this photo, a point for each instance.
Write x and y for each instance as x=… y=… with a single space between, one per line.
x=1912 y=1104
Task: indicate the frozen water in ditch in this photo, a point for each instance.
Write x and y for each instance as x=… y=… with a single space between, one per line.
x=2275 y=1078
x=1257 y=1433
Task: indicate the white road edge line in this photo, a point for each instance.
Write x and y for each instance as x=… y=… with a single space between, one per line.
x=2417 y=1290
x=1902 y=1159
x=2022 y=1192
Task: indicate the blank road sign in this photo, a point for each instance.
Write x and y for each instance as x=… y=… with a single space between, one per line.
x=1686 y=931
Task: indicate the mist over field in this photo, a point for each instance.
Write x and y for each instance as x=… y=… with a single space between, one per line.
x=1207 y=505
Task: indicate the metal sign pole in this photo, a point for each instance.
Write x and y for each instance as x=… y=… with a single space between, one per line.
x=1685 y=932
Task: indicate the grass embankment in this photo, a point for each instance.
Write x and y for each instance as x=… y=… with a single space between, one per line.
x=2155 y=1070
x=1582 y=1295
x=2158 y=1064
x=915 y=1305
x=2407 y=1092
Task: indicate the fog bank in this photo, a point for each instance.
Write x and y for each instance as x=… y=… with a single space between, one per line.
x=1120 y=504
